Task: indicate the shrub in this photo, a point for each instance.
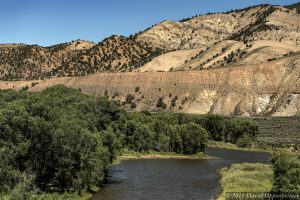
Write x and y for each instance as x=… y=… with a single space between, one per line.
x=184 y=100
x=286 y=171
x=173 y=103
x=34 y=84
x=160 y=103
x=245 y=141
x=129 y=98
x=133 y=105
x=137 y=89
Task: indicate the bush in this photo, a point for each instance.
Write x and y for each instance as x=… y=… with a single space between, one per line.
x=245 y=141
x=129 y=98
x=133 y=105
x=173 y=103
x=184 y=100
x=286 y=171
x=160 y=103
x=237 y=128
x=137 y=89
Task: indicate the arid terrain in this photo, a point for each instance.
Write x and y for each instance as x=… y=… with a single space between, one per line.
x=269 y=89
x=244 y=62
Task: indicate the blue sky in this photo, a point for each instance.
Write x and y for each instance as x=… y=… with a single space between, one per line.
x=47 y=22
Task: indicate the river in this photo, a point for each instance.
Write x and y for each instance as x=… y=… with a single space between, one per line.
x=172 y=179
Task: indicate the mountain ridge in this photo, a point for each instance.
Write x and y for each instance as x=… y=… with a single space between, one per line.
x=119 y=53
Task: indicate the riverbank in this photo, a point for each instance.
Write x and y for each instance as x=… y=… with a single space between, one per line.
x=200 y=178
x=50 y=196
x=132 y=155
x=246 y=177
x=230 y=146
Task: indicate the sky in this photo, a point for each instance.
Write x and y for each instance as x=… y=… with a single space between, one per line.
x=48 y=22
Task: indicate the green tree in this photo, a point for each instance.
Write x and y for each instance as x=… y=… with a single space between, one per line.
x=245 y=141
x=214 y=124
x=176 y=143
x=194 y=138
x=143 y=138
x=286 y=171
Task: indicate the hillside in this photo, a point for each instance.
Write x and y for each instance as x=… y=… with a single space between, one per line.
x=26 y=61
x=247 y=36
x=77 y=58
x=222 y=54
x=256 y=23
x=295 y=6
x=267 y=89
x=72 y=46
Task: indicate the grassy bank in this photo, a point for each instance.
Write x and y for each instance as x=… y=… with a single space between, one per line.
x=246 y=178
x=230 y=146
x=132 y=155
x=47 y=196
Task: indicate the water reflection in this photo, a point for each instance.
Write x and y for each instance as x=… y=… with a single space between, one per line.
x=172 y=179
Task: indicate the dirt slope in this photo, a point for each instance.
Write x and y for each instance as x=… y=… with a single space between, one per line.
x=269 y=89
x=224 y=53
x=257 y=23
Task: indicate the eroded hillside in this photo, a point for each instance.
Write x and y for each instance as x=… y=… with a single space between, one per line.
x=223 y=54
x=257 y=23
x=268 y=89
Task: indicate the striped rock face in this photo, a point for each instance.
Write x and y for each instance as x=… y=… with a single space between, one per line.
x=270 y=89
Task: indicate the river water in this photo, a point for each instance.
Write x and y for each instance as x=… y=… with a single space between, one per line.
x=172 y=179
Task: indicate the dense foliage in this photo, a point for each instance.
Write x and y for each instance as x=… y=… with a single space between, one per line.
x=286 y=171
x=234 y=130
x=55 y=140
x=61 y=140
